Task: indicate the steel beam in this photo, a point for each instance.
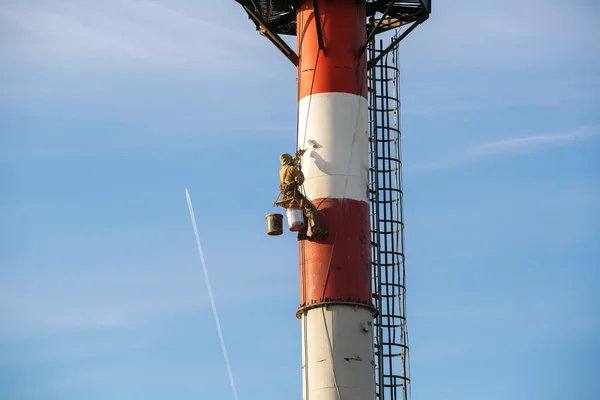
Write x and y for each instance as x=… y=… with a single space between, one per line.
x=266 y=30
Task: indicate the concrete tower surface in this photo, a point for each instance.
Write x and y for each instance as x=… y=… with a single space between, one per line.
x=335 y=308
x=336 y=297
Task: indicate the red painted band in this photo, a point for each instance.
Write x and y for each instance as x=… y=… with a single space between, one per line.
x=338 y=68
x=337 y=267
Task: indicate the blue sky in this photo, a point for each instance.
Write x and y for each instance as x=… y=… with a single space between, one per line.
x=109 y=110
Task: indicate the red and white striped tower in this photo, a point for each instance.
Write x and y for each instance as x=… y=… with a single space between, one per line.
x=335 y=310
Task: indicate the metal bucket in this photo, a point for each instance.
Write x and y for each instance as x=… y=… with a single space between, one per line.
x=295 y=218
x=274 y=224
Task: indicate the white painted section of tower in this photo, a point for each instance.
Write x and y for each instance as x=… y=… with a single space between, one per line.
x=337 y=353
x=337 y=124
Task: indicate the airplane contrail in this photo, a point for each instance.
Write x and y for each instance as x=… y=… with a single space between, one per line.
x=210 y=294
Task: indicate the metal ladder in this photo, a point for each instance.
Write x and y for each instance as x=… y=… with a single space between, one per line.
x=387 y=226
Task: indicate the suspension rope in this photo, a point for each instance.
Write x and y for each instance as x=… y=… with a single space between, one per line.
x=360 y=81
x=312 y=86
x=303 y=244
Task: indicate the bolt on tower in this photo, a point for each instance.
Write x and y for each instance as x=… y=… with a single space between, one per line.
x=354 y=343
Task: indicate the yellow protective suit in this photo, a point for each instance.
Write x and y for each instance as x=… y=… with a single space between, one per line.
x=290 y=180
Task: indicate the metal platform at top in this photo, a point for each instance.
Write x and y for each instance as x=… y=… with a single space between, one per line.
x=281 y=14
x=278 y=17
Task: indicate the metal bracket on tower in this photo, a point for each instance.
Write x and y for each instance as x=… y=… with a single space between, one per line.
x=318 y=23
x=373 y=31
x=265 y=30
x=392 y=45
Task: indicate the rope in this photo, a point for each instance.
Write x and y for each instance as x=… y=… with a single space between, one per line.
x=298 y=79
x=312 y=86
x=360 y=80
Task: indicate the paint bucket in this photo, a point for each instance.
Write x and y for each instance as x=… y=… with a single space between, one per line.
x=274 y=224
x=295 y=218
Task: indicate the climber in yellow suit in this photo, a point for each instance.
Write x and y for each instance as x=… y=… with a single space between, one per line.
x=290 y=180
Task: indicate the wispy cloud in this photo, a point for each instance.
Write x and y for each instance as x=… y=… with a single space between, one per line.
x=487 y=33
x=69 y=348
x=495 y=58
x=141 y=275
x=149 y=31
x=530 y=143
x=527 y=317
x=507 y=147
x=32 y=307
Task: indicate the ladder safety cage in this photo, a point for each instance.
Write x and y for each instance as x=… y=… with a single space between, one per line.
x=387 y=224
